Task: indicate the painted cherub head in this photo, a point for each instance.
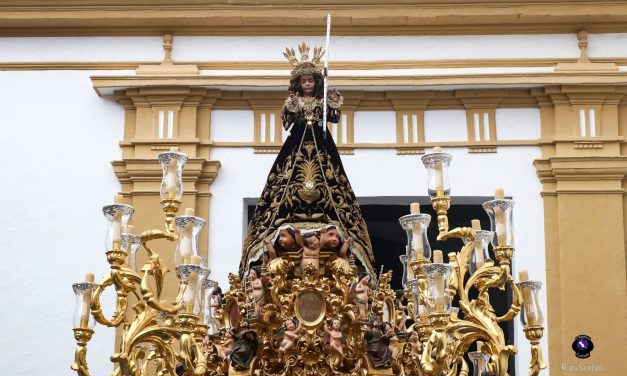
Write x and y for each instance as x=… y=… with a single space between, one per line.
x=290 y=324
x=311 y=240
x=329 y=238
x=287 y=239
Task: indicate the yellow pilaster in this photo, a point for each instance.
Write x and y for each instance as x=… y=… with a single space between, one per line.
x=157 y=119
x=585 y=210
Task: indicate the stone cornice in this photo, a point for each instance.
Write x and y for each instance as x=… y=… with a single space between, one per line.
x=333 y=65
x=287 y=17
x=105 y=84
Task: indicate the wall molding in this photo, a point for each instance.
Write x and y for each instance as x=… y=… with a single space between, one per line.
x=281 y=65
x=283 y=17
x=107 y=84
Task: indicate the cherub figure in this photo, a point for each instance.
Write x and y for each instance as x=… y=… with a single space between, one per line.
x=415 y=345
x=286 y=242
x=335 y=338
x=227 y=345
x=290 y=335
x=258 y=291
x=311 y=248
x=401 y=309
x=389 y=332
x=330 y=241
x=362 y=291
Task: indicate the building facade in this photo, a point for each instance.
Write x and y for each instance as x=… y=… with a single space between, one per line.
x=528 y=97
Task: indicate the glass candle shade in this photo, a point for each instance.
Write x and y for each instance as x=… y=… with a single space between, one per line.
x=479 y=362
x=531 y=314
x=188 y=227
x=415 y=226
x=117 y=216
x=193 y=276
x=82 y=311
x=480 y=252
x=501 y=221
x=437 y=279
x=172 y=184
x=422 y=314
x=406 y=270
x=437 y=165
x=134 y=242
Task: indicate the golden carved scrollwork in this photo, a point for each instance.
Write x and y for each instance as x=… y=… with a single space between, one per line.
x=153 y=324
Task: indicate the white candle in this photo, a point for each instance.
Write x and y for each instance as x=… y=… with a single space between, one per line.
x=86 y=308
x=416 y=232
x=170 y=178
x=417 y=243
x=438 y=257
x=523 y=275
x=116 y=230
x=499 y=216
x=188 y=295
x=479 y=259
x=186 y=242
x=439 y=175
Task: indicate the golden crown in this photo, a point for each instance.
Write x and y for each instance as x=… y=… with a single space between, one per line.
x=304 y=66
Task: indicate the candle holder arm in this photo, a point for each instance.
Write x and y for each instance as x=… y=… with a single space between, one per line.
x=190 y=350
x=534 y=333
x=517 y=301
x=153 y=302
x=82 y=336
x=121 y=305
x=457 y=233
x=428 y=364
x=154 y=234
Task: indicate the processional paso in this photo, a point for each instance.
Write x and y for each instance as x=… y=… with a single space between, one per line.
x=306 y=300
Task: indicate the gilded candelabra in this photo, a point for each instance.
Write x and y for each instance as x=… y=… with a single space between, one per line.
x=290 y=317
x=155 y=337
x=447 y=332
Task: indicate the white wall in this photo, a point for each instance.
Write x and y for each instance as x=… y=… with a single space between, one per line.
x=445 y=125
x=55 y=184
x=375 y=126
x=58 y=139
x=518 y=124
x=345 y=48
x=232 y=126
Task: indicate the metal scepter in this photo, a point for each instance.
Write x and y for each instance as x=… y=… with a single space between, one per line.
x=325 y=74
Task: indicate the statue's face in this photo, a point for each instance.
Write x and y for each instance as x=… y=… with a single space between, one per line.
x=307 y=84
x=253 y=274
x=286 y=240
x=312 y=242
x=337 y=324
x=289 y=325
x=330 y=239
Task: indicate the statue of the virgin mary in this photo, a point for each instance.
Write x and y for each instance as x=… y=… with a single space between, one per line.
x=307 y=187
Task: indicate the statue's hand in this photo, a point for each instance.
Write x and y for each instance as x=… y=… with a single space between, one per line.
x=294 y=98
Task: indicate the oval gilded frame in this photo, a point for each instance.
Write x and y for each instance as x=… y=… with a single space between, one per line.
x=321 y=314
x=228 y=322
